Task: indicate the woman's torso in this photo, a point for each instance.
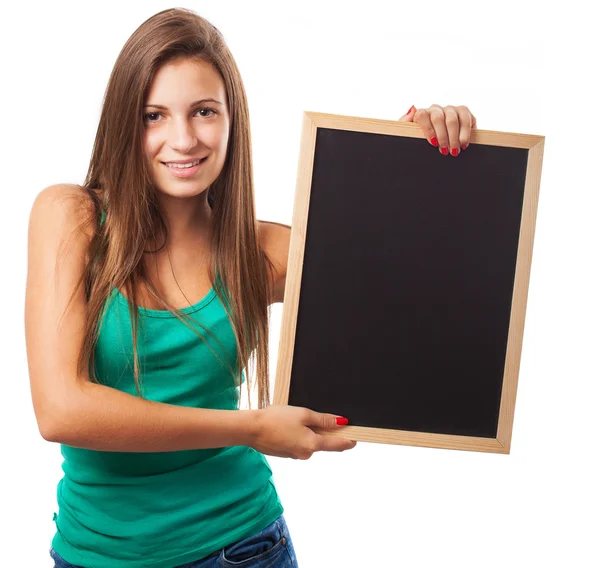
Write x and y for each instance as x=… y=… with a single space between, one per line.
x=165 y=508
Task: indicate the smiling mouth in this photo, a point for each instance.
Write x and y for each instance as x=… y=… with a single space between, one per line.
x=184 y=166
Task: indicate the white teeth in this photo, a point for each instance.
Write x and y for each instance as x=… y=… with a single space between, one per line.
x=183 y=166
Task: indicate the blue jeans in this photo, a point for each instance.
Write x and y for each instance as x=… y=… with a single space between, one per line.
x=270 y=548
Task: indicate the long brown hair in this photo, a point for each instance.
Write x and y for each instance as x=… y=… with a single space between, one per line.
x=124 y=189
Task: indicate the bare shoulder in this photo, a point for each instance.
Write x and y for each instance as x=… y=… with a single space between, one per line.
x=60 y=208
x=275 y=240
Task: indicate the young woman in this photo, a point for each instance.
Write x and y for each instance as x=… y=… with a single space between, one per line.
x=147 y=296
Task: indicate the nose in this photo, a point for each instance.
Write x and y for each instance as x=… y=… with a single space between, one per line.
x=182 y=137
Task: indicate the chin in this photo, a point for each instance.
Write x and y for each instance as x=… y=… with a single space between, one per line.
x=190 y=190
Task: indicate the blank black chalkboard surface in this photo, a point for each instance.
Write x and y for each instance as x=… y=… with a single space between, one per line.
x=407 y=282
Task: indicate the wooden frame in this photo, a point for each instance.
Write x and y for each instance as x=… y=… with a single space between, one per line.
x=535 y=145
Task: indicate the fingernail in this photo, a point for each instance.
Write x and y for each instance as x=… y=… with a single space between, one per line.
x=410 y=109
x=455 y=152
x=434 y=141
x=445 y=151
x=464 y=146
x=341 y=421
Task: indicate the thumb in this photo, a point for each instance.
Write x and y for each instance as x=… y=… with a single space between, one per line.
x=410 y=115
x=323 y=420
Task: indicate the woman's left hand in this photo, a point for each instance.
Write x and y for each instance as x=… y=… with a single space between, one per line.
x=448 y=128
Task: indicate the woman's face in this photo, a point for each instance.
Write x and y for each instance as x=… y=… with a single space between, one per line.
x=186 y=119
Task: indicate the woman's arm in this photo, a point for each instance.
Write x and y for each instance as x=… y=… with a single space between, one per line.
x=72 y=410
x=275 y=240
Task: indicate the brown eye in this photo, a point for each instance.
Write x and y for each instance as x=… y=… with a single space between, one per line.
x=148 y=117
x=207 y=109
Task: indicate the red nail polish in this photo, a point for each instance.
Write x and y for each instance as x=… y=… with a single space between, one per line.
x=341 y=421
x=410 y=109
x=434 y=141
x=445 y=151
x=455 y=152
x=464 y=146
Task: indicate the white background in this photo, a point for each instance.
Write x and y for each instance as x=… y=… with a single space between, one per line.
x=521 y=67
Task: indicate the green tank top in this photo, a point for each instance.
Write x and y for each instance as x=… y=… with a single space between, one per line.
x=159 y=510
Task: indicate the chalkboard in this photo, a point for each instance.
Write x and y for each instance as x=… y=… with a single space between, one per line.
x=407 y=282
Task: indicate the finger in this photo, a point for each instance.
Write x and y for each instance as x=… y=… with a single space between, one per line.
x=331 y=444
x=466 y=120
x=453 y=129
x=421 y=118
x=438 y=120
x=409 y=116
x=323 y=420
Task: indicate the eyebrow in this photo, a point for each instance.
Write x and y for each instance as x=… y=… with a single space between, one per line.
x=191 y=105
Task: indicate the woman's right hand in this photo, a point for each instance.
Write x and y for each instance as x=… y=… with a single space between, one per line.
x=285 y=431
